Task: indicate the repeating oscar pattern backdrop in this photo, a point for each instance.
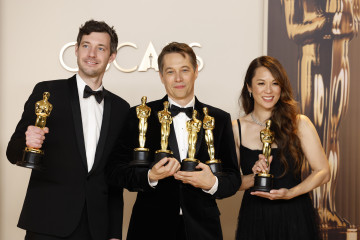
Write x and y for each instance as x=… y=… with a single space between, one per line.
x=318 y=44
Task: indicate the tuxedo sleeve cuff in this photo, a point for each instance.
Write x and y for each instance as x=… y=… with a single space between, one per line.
x=214 y=188
x=151 y=183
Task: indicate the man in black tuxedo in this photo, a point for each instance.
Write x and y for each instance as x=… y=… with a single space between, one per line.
x=173 y=204
x=70 y=199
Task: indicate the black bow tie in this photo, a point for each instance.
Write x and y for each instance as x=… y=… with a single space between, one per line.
x=175 y=110
x=99 y=95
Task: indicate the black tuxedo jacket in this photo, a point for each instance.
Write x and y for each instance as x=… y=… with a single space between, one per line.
x=57 y=196
x=156 y=210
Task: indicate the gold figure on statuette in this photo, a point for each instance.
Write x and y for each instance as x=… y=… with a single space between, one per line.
x=143 y=113
x=141 y=154
x=193 y=126
x=42 y=110
x=267 y=138
x=165 y=120
x=209 y=125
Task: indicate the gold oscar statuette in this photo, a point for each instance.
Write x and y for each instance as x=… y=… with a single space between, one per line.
x=209 y=125
x=264 y=181
x=193 y=126
x=165 y=120
x=32 y=157
x=141 y=154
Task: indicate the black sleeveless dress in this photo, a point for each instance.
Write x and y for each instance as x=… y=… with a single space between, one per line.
x=264 y=219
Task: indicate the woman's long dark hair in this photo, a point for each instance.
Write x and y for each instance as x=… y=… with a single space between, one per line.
x=284 y=114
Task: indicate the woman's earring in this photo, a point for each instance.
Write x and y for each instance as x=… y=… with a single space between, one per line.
x=250 y=94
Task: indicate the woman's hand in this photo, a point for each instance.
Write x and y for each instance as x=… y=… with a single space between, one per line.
x=274 y=194
x=261 y=166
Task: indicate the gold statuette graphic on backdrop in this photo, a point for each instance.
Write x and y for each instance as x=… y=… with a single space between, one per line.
x=32 y=157
x=165 y=120
x=264 y=181
x=323 y=83
x=141 y=154
x=193 y=126
x=209 y=125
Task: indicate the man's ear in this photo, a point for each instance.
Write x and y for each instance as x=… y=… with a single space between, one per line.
x=76 y=49
x=112 y=57
x=196 y=71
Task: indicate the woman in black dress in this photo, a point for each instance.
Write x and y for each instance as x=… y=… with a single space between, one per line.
x=286 y=212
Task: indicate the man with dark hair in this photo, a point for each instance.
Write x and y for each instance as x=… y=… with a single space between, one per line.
x=70 y=198
x=101 y=27
x=173 y=204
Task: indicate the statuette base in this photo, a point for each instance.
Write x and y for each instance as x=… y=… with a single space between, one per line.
x=215 y=166
x=160 y=154
x=140 y=158
x=189 y=165
x=263 y=182
x=32 y=158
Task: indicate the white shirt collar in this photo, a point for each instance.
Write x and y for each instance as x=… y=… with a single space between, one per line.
x=190 y=104
x=81 y=85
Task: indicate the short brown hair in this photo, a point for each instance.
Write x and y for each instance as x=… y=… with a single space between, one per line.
x=95 y=26
x=175 y=47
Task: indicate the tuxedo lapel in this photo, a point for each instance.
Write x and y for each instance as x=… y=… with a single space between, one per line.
x=199 y=108
x=173 y=143
x=76 y=112
x=104 y=130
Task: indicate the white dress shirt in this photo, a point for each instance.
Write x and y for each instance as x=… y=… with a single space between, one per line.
x=91 y=116
x=179 y=123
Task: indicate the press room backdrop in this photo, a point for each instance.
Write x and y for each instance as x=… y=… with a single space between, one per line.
x=32 y=33
x=318 y=43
